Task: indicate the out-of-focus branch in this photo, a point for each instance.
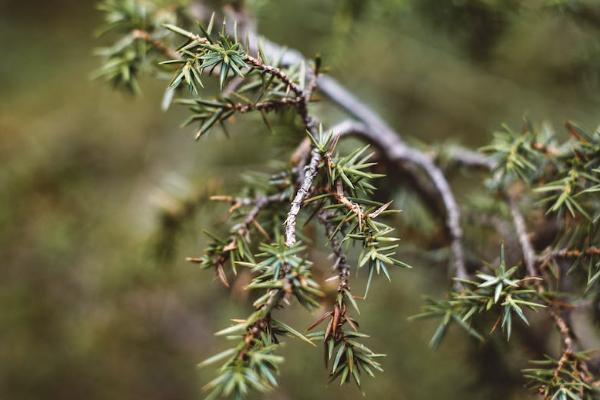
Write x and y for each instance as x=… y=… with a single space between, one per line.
x=573 y=253
x=522 y=235
x=565 y=330
x=467 y=158
x=268 y=105
x=157 y=44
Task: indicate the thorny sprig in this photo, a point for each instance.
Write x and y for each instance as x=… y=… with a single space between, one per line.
x=138 y=26
x=251 y=84
x=354 y=218
x=498 y=292
x=577 y=176
x=348 y=188
x=514 y=155
x=342 y=348
x=566 y=174
x=283 y=273
x=561 y=379
x=237 y=246
x=578 y=251
x=261 y=87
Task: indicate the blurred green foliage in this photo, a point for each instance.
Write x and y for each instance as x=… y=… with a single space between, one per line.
x=88 y=311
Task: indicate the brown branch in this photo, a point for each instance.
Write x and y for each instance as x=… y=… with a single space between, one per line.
x=248 y=59
x=302 y=96
x=574 y=253
x=338 y=316
x=342 y=199
x=240 y=230
x=268 y=105
x=568 y=339
x=159 y=45
x=276 y=72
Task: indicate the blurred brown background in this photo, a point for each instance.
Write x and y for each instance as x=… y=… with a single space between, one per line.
x=97 y=303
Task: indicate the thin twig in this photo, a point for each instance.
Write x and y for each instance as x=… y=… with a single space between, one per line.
x=338 y=315
x=305 y=188
x=464 y=157
x=276 y=72
x=268 y=105
x=156 y=43
x=340 y=264
x=523 y=236
x=574 y=253
x=342 y=199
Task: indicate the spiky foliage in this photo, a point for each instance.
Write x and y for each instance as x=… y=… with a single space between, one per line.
x=565 y=175
x=326 y=185
x=333 y=183
x=139 y=31
x=561 y=178
x=282 y=273
x=497 y=293
x=561 y=379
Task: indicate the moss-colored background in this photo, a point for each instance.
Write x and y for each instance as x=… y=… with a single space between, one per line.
x=87 y=310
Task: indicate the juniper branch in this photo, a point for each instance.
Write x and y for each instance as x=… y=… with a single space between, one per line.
x=378 y=132
x=344 y=191
x=565 y=330
x=391 y=147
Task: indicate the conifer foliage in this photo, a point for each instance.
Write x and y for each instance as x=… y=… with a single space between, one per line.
x=333 y=190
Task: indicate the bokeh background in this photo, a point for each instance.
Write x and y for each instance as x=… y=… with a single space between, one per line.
x=96 y=300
